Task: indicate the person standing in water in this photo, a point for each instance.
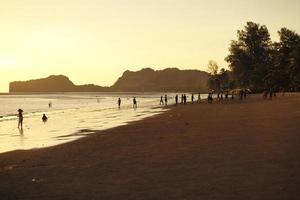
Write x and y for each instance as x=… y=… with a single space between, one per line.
x=44 y=118
x=134 y=103
x=20 y=116
x=176 y=99
x=166 y=100
x=192 y=98
x=119 y=102
x=161 y=100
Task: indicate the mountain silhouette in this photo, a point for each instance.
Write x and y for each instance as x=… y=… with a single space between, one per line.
x=170 y=79
x=53 y=83
x=145 y=80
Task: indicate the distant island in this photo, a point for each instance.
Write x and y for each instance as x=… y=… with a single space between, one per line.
x=145 y=80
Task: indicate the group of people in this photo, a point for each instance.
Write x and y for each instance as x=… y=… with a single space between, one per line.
x=134 y=101
x=269 y=94
x=183 y=99
x=162 y=102
x=223 y=95
x=20 y=117
x=241 y=93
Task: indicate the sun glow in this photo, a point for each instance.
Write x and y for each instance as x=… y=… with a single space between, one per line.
x=7 y=62
x=96 y=42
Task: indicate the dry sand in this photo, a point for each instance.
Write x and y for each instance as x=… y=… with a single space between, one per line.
x=232 y=150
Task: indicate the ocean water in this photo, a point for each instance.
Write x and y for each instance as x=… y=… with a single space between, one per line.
x=72 y=116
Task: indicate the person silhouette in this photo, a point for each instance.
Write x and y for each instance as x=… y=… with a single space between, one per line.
x=20 y=116
x=44 y=118
x=192 y=98
x=184 y=99
x=134 y=103
x=176 y=99
x=209 y=97
x=161 y=100
x=119 y=103
x=166 y=100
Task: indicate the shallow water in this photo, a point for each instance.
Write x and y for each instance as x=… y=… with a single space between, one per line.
x=71 y=116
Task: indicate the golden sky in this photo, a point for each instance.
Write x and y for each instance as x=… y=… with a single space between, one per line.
x=94 y=41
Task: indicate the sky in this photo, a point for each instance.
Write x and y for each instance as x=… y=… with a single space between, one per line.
x=95 y=41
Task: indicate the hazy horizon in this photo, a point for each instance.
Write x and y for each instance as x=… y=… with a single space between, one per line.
x=96 y=42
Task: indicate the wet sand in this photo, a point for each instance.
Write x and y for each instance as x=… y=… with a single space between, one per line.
x=232 y=150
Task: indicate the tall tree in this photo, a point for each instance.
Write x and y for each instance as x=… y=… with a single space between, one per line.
x=212 y=67
x=288 y=57
x=218 y=80
x=213 y=81
x=250 y=55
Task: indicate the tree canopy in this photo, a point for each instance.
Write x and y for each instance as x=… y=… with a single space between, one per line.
x=258 y=63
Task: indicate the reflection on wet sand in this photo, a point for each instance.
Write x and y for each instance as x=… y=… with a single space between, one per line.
x=21 y=131
x=65 y=126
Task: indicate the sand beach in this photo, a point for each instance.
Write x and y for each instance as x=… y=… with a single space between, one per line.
x=225 y=150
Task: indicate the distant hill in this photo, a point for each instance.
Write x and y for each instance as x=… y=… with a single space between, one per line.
x=53 y=83
x=170 y=79
x=145 y=80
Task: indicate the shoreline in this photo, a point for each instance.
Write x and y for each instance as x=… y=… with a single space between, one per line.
x=229 y=150
x=84 y=121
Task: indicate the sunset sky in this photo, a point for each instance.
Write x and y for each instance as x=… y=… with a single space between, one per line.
x=94 y=41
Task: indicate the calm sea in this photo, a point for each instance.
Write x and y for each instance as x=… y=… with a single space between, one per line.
x=72 y=115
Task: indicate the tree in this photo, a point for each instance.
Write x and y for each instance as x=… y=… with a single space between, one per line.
x=289 y=56
x=250 y=56
x=212 y=67
x=224 y=78
x=213 y=81
x=217 y=80
x=285 y=71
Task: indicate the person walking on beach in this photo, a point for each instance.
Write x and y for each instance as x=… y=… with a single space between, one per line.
x=119 y=103
x=161 y=100
x=209 y=97
x=192 y=98
x=20 y=116
x=166 y=100
x=182 y=97
x=134 y=103
x=270 y=94
x=176 y=99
